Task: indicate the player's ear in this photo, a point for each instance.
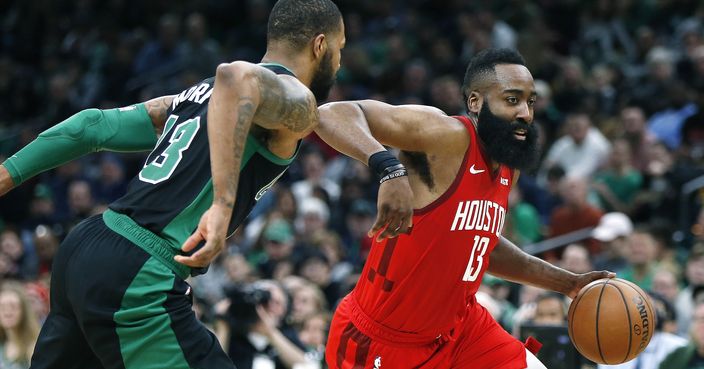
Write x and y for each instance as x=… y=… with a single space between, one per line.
x=474 y=102
x=320 y=45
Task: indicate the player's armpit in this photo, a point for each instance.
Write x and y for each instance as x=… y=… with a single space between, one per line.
x=157 y=109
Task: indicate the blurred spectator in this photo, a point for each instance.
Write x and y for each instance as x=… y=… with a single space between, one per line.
x=359 y=221
x=315 y=267
x=581 y=151
x=694 y=274
x=612 y=231
x=307 y=301
x=80 y=203
x=313 y=171
x=278 y=243
x=499 y=290
x=111 y=183
x=313 y=335
x=19 y=328
x=313 y=218
x=202 y=54
x=252 y=332
x=46 y=244
x=666 y=285
x=550 y=309
x=13 y=251
x=576 y=213
x=691 y=355
x=576 y=259
x=636 y=133
x=618 y=183
x=641 y=259
x=522 y=224
x=165 y=53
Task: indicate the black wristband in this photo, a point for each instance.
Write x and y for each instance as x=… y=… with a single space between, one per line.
x=383 y=163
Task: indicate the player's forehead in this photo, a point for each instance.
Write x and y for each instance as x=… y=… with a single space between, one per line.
x=513 y=78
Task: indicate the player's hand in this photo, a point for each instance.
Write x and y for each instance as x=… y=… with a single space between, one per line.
x=584 y=279
x=395 y=209
x=213 y=230
x=6 y=183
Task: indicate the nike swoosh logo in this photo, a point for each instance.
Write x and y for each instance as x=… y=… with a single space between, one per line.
x=476 y=171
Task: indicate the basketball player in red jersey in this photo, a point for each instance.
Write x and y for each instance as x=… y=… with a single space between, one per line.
x=414 y=305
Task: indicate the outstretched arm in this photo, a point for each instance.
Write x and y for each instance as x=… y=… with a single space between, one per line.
x=407 y=127
x=511 y=263
x=243 y=93
x=129 y=129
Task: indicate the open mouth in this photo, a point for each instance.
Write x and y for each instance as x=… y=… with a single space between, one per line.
x=520 y=134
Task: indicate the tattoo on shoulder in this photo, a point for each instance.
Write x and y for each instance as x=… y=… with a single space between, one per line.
x=296 y=111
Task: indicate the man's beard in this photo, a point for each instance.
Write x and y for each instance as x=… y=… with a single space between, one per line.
x=323 y=79
x=500 y=143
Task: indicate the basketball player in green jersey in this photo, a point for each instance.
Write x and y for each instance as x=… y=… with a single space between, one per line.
x=118 y=293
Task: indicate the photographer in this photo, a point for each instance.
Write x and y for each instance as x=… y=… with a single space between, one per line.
x=249 y=328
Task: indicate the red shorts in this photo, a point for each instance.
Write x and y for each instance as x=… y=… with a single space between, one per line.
x=478 y=342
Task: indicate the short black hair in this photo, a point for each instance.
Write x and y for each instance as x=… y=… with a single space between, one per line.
x=298 y=21
x=483 y=65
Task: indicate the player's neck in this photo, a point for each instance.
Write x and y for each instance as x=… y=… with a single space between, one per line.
x=292 y=63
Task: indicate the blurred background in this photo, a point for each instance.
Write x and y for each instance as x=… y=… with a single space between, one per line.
x=620 y=111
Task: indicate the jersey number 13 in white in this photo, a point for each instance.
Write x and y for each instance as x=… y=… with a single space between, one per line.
x=476 y=259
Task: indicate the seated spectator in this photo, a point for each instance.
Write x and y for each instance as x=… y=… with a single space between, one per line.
x=575 y=213
x=581 y=151
x=690 y=356
x=19 y=328
x=641 y=259
x=550 y=309
x=523 y=222
x=694 y=275
x=618 y=183
x=612 y=232
x=576 y=259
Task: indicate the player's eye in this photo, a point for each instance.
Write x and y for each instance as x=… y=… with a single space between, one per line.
x=512 y=100
x=531 y=102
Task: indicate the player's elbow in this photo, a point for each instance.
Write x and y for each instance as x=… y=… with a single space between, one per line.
x=235 y=73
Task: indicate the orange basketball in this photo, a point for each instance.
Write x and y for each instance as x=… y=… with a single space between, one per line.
x=611 y=321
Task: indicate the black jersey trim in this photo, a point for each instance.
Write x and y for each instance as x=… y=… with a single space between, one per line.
x=268 y=155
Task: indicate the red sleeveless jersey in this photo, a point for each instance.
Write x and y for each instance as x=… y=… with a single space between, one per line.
x=421 y=283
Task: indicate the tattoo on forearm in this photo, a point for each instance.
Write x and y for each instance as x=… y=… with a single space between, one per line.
x=157 y=108
x=245 y=113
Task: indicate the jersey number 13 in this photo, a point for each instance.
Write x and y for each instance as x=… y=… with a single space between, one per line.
x=160 y=168
x=476 y=259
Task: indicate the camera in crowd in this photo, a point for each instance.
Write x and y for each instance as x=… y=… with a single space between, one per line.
x=244 y=299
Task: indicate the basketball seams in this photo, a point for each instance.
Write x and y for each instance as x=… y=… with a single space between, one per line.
x=630 y=323
x=570 y=329
x=596 y=321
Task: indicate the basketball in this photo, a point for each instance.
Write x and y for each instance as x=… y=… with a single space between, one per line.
x=611 y=321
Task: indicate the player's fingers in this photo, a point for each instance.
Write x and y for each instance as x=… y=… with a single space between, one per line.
x=192 y=241
x=381 y=220
x=198 y=259
x=408 y=225
x=607 y=274
x=392 y=229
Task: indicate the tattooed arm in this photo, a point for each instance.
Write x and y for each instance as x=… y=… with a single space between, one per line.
x=244 y=93
x=156 y=109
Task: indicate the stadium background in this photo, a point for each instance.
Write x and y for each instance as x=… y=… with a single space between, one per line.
x=624 y=78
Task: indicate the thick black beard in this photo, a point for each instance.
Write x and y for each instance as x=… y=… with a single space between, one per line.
x=323 y=79
x=498 y=137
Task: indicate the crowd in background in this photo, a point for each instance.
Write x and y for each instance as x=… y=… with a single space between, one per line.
x=620 y=110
